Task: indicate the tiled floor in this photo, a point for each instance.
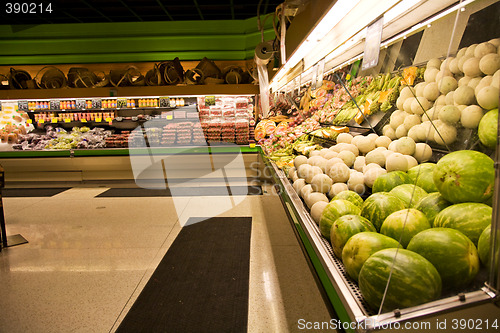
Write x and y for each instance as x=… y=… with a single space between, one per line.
x=88 y=259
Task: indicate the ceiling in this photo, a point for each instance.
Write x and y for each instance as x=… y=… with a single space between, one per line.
x=94 y=11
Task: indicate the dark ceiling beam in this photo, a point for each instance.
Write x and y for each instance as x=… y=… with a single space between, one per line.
x=198 y=8
x=165 y=10
x=232 y=10
x=96 y=10
x=131 y=10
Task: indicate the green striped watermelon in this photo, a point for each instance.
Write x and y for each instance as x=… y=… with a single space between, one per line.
x=380 y=205
x=351 y=196
x=469 y=218
x=483 y=246
x=414 y=280
x=333 y=211
x=465 y=176
x=388 y=181
x=404 y=224
x=410 y=194
x=431 y=205
x=344 y=228
x=360 y=247
x=488 y=129
x=451 y=252
x=422 y=175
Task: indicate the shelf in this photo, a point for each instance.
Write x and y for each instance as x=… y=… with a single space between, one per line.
x=217 y=149
x=137 y=91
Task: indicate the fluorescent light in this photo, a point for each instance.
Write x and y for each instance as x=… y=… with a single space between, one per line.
x=426 y=23
x=399 y=9
x=340 y=9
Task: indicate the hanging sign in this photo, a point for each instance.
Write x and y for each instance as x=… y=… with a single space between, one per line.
x=164 y=102
x=81 y=103
x=372 y=44
x=121 y=103
x=22 y=105
x=209 y=100
x=320 y=73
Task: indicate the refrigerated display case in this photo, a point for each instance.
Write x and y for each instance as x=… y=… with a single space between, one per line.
x=414 y=36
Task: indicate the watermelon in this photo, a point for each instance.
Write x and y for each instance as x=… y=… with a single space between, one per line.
x=451 y=252
x=351 y=196
x=404 y=224
x=410 y=194
x=414 y=280
x=483 y=246
x=333 y=211
x=380 y=205
x=470 y=218
x=431 y=205
x=344 y=228
x=422 y=175
x=388 y=181
x=488 y=129
x=465 y=176
x=360 y=247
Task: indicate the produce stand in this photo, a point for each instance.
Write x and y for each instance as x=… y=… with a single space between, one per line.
x=343 y=294
x=430 y=30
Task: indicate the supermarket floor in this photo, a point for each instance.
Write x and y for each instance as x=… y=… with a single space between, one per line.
x=89 y=257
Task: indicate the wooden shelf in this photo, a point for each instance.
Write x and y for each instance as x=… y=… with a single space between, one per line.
x=185 y=90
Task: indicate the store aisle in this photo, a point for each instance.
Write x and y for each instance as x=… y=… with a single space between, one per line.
x=89 y=257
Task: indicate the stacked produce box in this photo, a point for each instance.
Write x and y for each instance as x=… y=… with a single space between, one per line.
x=227 y=120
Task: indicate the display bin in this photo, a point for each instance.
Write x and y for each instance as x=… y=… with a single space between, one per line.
x=424 y=30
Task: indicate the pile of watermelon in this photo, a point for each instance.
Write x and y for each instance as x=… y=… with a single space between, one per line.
x=428 y=229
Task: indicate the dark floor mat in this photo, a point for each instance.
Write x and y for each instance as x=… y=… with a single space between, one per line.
x=182 y=191
x=32 y=192
x=201 y=284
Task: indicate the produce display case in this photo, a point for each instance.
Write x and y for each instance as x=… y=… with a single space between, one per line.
x=410 y=38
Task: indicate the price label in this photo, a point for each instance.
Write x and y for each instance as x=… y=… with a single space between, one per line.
x=54 y=104
x=121 y=102
x=22 y=105
x=41 y=121
x=29 y=121
x=98 y=120
x=108 y=120
x=53 y=120
x=209 y=100
x=169 y=117
x=84 y=120
x=96 y=103
x=321 y=71
x=67 y=120
x=164 y=102
x=252 y=145
x=81 y=104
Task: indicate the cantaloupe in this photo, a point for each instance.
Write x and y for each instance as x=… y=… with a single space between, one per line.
x=344 y=138
x=395 y=162
x=487 y=98
x=413 y=133
x=419 y=105
x=299 y=160
x=298 y=185
x=419 y=89
x=471 y=116
x=471 y=67
x=430 y=74
x=337 y=188
x=434 y=63
x=411 y=120
x=485 y=82
x=317 y=210
x=407 y=104
x=389 y=132
x=483 y=49
x=431 y=91
x=445 y=134
x=447 y=84
x=372 y=174
x=453 y=66
x=412 y=161
x=339 y=173
x=464 y=81
x=375 y=156
x=464 y=95
x=401 y=131
x=313 y=171
x=366 y=145
x=405 y=145
x=407 y=92
x=356 y=182
x=423 y=152
x=489 y=63
x=321 y=183
x=347 y=156
x=449 y=114
x=359 y=163
x=462 y=60
x=383 y=141
x=397 y=118
x=314 y=197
